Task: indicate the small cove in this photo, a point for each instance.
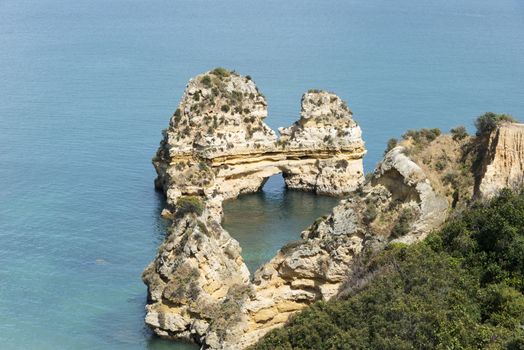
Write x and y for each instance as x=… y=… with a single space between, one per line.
x=265 y=221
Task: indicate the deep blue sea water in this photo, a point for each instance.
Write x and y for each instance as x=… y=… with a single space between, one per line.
x=87 y=86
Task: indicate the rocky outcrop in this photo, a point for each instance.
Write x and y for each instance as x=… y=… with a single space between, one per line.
x=408 y=183
x=199 y=287
x=217 y=144
x=216 y=147
x=502 y=162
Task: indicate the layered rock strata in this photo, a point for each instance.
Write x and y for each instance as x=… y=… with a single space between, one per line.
x=199 y=287
x=218 y=146
x=503 y=161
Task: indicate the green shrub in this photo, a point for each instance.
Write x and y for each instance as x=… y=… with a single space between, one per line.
x=178 y=115
x=206 y=80
x=221 y=72
x=440 y=165
x=189 y=204
x=489 y=121
x=224 y=108
x=403 y=224
x=459 y=133
x=392 y=143
x=422 y=135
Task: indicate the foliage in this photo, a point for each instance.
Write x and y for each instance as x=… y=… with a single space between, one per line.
x=189 y=204
x=206 y=80
x=221 y=72
x=422 y=135
x=489 y=121
x=459 y=133
x=403 y=224
x=178 y=115
x=392 y=143
x=461 y=288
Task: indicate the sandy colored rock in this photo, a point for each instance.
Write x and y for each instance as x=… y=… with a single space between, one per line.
x=503 y=163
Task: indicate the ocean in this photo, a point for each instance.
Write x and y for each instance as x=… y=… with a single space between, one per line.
x=87 y=86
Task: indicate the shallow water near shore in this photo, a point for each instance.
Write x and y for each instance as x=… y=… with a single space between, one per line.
x=87 y=86
x=263 y=222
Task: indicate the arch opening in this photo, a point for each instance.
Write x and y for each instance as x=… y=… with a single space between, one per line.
x=265 y=221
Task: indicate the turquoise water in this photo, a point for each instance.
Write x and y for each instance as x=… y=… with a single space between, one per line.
x=87 y=86
x=264 y=222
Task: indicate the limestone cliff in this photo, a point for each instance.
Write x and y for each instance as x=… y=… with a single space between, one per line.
x=502 y=164
x=217 y=144
x=199 y=286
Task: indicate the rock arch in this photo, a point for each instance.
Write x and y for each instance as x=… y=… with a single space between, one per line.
x=216 y=147
x=217 y=144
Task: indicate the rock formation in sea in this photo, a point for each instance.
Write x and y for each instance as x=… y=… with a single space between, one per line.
x=217 y=147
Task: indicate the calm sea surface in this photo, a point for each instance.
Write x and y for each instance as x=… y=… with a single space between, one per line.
x=87 y=86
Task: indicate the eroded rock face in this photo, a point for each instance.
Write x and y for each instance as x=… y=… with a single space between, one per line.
x=408 y=183
x=316 y=267
x=216 y=147
x=217 y=144
x=503 y=163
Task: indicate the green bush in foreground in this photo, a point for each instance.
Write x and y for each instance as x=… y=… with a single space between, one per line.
x=459 y=133
x=461 y=288
x=489 y=121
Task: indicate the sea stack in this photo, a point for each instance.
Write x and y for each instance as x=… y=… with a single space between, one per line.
x=216 y=147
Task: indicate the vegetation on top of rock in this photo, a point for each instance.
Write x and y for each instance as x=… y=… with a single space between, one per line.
x=422 y=135
x=459 y=133
x=489 y=121
x=221 y=72
x=206 y=80
x=189 y=204
x=314 y=91
x=178 y=115
x=461 y=288
x=392 y=143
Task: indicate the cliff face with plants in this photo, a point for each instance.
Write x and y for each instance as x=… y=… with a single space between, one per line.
x=503 y=165
x=217 y=147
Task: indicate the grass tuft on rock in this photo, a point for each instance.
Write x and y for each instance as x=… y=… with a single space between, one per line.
x=189 y=204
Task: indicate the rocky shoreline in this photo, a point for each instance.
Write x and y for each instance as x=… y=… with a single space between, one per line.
x=217 y=147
